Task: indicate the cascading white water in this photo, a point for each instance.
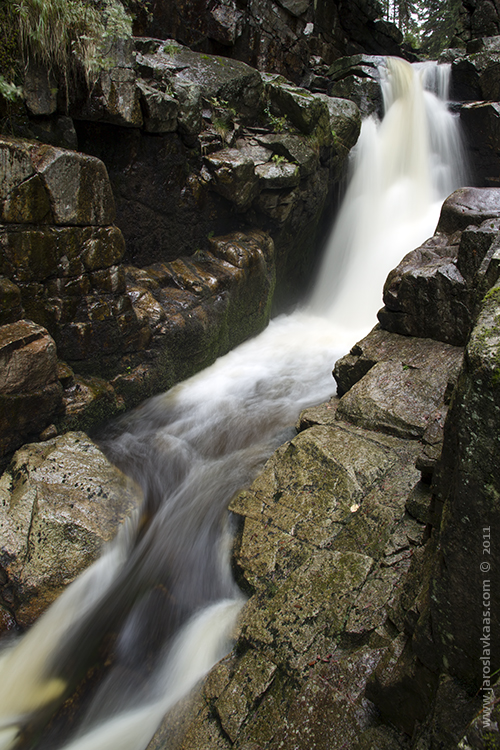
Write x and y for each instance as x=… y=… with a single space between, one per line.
x=403 y=169
x=165 y=584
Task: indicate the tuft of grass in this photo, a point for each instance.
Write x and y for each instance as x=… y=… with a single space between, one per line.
x=60 y=33
x=63 y=36
x=9 y=91
x=277 y=123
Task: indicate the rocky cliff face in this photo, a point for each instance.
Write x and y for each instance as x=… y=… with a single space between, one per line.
x=475 y=84
x=478 y=18
x=207 y=144
x=279 y=36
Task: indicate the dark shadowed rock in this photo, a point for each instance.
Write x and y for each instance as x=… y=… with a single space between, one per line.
x=469 y=488
x=481 y=126
x=402 y=688
x=30 y=392
x=11 y=308
x=40 y=89
x=477 y=77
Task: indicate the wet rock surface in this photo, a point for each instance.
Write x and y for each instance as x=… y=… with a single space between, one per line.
x=122 y=333
x=350 y=570
x=188 y=181
x=60 y=501
x=357 y=78
x=481 y=126
x=467 y=486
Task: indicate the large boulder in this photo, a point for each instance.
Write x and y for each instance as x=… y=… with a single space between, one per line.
x=44 y=185
x=61 y=501
x=396 y=384
x=305 y=110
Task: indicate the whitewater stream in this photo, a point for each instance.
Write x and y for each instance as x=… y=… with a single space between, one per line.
x=165 y=584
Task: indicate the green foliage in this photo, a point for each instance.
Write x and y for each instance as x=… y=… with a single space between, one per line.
x=278 y=159
x=60 y=33
x=171 y=48
x=9 y=42
x=277 y=123
x=440 y=22
x=491 y=741
x=426 y=24
x=9 y=91
x=221 y=126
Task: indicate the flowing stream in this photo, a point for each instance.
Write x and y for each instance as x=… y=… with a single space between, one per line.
x=165 y=584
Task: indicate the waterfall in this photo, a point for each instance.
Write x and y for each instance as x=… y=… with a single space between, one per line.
x=403 y=169
x=165 y=584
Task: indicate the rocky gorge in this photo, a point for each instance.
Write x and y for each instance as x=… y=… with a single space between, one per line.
x=197 y=201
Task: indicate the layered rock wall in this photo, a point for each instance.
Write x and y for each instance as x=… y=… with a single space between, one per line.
x=121 y=333
x=279 y=36
x=207 y=145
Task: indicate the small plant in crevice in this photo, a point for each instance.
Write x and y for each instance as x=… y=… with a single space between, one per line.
x=221 y=127
x=171 y=48
x=9 y=90
x=277 y=123
x=278 y=159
